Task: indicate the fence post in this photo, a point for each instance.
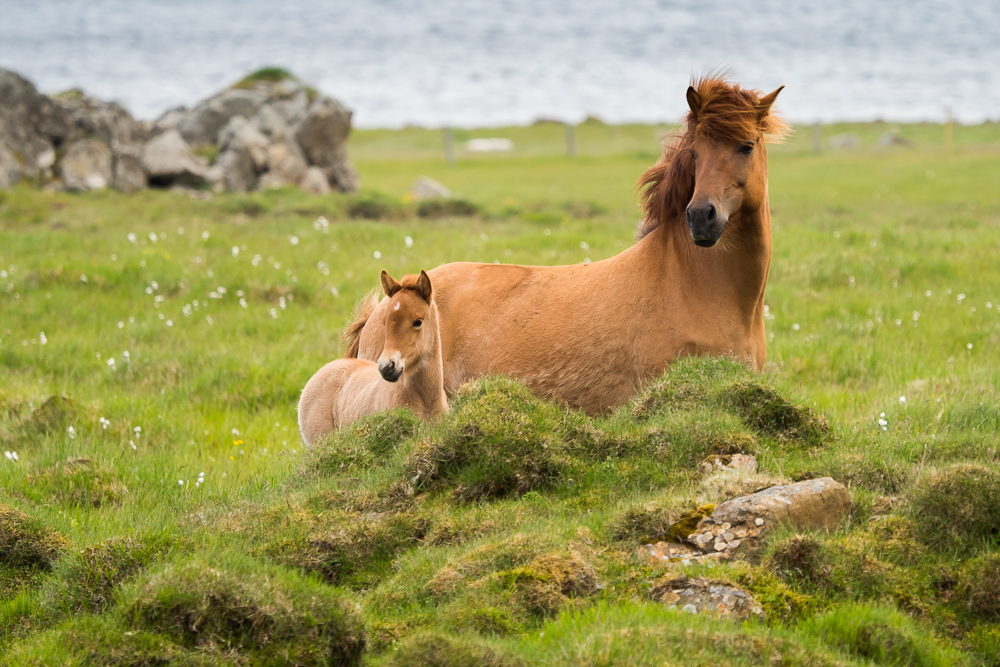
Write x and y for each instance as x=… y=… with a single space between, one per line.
x=949 y=136
x=449 y=147
x=817 y=138
x=570 y=140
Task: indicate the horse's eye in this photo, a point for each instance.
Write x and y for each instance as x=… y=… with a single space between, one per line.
x=417 y=323
x=746 y=148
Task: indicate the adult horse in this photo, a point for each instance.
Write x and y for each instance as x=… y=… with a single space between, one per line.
x=591 y=335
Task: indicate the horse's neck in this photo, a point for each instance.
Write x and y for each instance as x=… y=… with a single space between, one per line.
x=734 y=270
x=426 y=383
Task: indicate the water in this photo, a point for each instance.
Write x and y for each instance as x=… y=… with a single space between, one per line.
x=467 y=63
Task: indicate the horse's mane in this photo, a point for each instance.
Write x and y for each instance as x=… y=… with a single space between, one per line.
x=728 y=113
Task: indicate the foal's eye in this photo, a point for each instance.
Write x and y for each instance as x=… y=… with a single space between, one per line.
x=417 y=323
x=746 y=148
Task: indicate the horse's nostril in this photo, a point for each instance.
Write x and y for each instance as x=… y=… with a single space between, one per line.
x=710 y=213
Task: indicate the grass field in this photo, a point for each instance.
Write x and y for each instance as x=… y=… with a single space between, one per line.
x=157 y=506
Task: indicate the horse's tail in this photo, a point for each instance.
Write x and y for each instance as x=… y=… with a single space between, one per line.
x=362 y=311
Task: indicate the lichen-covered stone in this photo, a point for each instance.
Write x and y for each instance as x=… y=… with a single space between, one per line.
x=712 y=598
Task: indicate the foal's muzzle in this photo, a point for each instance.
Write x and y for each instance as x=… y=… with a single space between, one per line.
x=390 y=371
x=705 y=223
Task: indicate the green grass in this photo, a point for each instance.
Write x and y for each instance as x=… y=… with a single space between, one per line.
x=506 y=533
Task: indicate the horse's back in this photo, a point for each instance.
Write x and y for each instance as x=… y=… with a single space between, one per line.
x=320 y=405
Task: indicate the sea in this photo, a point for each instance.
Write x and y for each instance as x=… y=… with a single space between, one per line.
x=469 y=63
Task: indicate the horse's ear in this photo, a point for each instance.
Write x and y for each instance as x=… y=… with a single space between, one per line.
x=694 y=100
x=389 y=284
x=764 y=106
x=424 y=286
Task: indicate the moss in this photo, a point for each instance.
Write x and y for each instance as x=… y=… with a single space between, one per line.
x=780 y=602
x=438 y=650
x=978 y=589
x=374 y=206
x=446 y=208
x=363 y=444
x=765 y=410
x=26 y=543
x=264 y=74
x=495 y=556
x=984 y=641
x=348 y=548
x=88 y=579
x=496 y=440
x=232 y=603
x=549 y=582
x=208 y=151
x=77 y=483
x=882 y=635
x=652 y=523
x=958 y=507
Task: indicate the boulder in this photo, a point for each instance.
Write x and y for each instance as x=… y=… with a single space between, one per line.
x=129 y=175
x=273 y=125
x=322 y=134
x=86 y=165
x=168 y=160
x=428 y=188
x=32 y=126
x=315 y=182
x=109 y=122
x=239 y=134
x=815 y=503
x=238 y=171
x=10 y=170
x=202 y=124
x=285 y=164
x=712 y=598
x=169 y=120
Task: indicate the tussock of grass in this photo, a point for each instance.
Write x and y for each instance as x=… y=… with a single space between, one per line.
x=435 y=209
x=880 y=634
x=656 y=523
x=350 y=548
x=77 y=482
x=978 y=587
x=369 y=205
x=233 y=604
x=268 y=74
x=765 y=410
x=55 y=414
x=26 y=543
x=957 y=507
x=438 y=650
x=368 y=442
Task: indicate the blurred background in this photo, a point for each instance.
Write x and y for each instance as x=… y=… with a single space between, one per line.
x=462 y=63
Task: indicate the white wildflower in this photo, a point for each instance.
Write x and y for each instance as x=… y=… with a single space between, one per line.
x=152 y=237
x=111 y=363
x=796 y=327
x=205 y=235
x=408 y=241
x=42 y=339
x=71 y=432
x=274 y=313
x=377 y=255
x=243 y=302
x=902 y=400
x=236 y=251
x=294 y=240
x=584 y=245
x=132 y=237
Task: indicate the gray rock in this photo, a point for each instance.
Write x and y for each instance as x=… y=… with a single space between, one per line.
x=285 y=164
x=168 y=160
x=273 y=125
x=203 y=123
x=322 y=134
x=840 y=141
x=815 y=503
x=86 y=165
x=239 y=134
x=239 y=173
x=169 y=120
x=129 y=175
x=109 y=122
x=10 y=170
x=428 y=188
x=32 y=126
x=315 y=182
x=704 y=596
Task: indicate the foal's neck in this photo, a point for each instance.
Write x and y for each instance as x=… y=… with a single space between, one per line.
x=426 y=382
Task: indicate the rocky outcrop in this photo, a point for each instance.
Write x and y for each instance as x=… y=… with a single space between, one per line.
x=269 y=130
x=717 y=599
x=86 y=165
x=168 y=160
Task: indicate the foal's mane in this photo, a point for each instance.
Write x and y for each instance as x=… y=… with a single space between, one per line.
x=728 y=113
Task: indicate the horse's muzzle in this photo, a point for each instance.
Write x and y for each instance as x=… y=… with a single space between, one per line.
x=705 y=224
x=389 y=371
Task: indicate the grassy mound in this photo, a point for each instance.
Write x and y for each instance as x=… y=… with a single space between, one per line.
x=435 y=209
x=26 y=543
x=232 y=603
x=55 y=414
x=958 y=507
x=438 y=650
x=77 y=482
x=881 y=635
x=978 y=587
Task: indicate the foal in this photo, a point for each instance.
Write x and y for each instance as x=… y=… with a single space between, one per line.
x=408 y=373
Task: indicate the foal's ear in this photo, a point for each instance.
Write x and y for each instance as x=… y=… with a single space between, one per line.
x=389 y=284
x=764 y=106
x=694 y=100
x=424 y=286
